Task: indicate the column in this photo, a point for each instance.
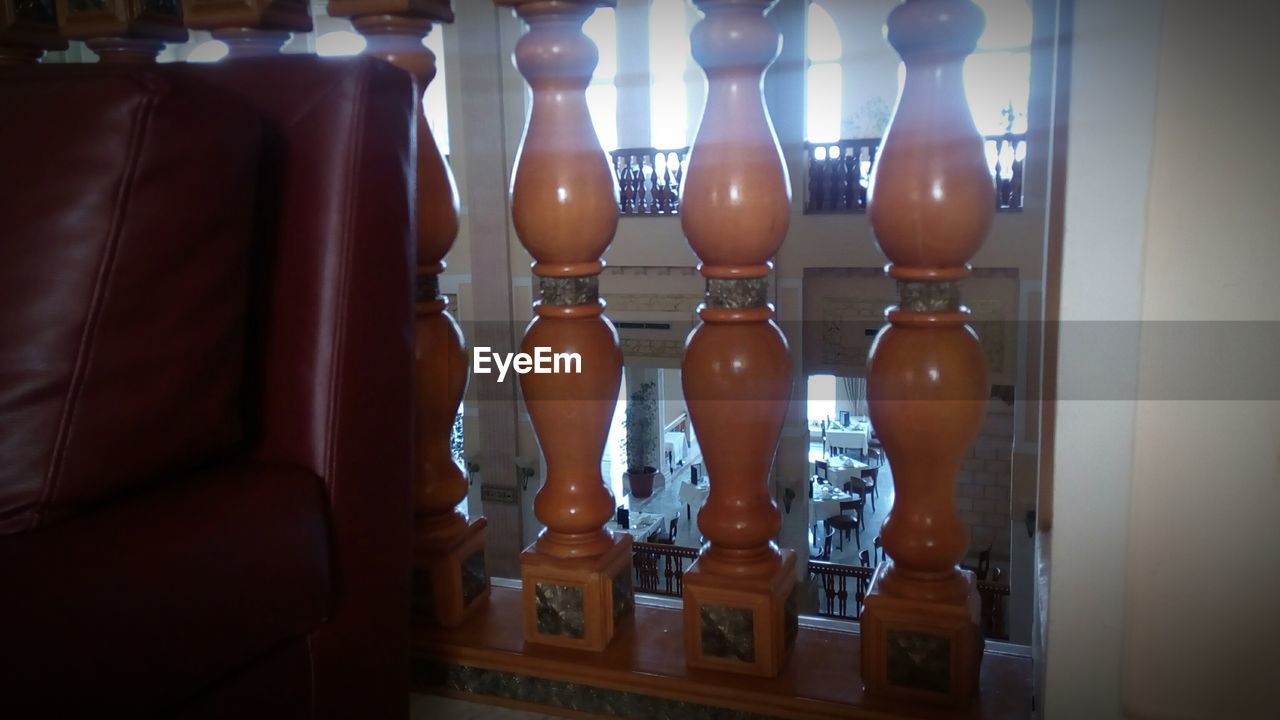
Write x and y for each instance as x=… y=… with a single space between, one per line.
x=253 y=28
x=122 y=31
x=450 y=576
x=27 y=30
x=931 y=206
x=739 y=614
x=576 y=575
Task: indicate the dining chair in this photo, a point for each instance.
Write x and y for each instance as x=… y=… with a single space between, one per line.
x=864 y=558
x=984 y=563
x=822 y=469
x=870 y=478
x=846 y=525
x=877 y=549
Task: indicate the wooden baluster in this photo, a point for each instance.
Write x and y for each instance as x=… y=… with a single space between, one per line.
x=257 y=28
x=622 y=173
x=1015 y=183
x=577 y=577
x=450 y=580
x=835 y=176
x=27 y=30
x=998 y=172
x=816 y=193
x=850 y=181
x=677 y=179
x=122 y=31
x=868 y=152
x=932 y=204
x=738 y=611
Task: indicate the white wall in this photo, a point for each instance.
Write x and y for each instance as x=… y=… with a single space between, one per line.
x=1164 y=564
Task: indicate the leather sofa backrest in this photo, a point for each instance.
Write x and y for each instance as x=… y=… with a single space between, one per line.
x=126 y=216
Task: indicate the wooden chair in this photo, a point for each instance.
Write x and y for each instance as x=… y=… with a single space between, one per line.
x=670 y=538
x=984 y=563
x=847 y=525
x=864 y=559
x=825 y=553
x=853 y=487
x=822 y=470
x=877 y=549
x=870 y=477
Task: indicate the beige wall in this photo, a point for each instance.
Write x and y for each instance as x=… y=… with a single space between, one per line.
x=1164 y=552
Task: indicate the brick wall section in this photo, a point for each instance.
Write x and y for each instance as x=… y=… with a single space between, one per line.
x=986 y=475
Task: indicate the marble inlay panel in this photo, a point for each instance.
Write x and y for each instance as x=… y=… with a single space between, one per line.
x=728 y=632
x=623 y=595
x=570 y=696
x=920 y=661
x=560 y=610
x=474 y=577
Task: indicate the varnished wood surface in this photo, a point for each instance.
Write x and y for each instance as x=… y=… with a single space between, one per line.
x=647 y=656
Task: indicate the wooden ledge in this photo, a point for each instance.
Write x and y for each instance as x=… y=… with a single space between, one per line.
x=643 y=674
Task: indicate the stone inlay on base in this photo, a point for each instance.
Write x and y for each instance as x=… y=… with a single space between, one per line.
x=728 y=632
x=924 y=296
x=560 y=610
x=921 y=651
x=581 y=290
x=426 y=287
x=919 y=661
x=451 y=581
x=737 y=293
x=576 y=602
x=740 y=624
x=475 y=580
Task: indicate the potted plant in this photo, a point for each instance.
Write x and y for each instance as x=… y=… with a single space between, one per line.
x=640 y=442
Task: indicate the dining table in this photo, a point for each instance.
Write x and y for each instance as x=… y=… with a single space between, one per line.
x=694 y=496
x=826 y=501
x=854 y=437
x=841 y=469
x=643 y=526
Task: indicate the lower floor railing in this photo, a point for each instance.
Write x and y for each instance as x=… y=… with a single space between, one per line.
x=840 y=589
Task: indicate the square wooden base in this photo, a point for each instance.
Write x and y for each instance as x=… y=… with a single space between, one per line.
x=741 y=625
x=450 y=583
x=577 y=603
x=921 y=651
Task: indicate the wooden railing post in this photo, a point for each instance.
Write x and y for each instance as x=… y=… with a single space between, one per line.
x=738 y=611
x=27 y=29
x=450 y=577
x=931 y=205
x=123 y=31
x=252 y=28
x=577 y=578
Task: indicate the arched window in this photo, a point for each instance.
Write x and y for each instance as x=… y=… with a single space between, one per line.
x=824 y=78
x=997 y=78
x=602 y=94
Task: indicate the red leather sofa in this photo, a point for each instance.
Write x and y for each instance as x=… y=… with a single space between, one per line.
x=205 y=368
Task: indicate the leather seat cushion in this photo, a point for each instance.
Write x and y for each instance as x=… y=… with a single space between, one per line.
x=128 y=206
x=147 y=602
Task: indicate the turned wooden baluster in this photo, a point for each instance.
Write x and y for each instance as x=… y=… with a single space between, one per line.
x=931 y=205
x=252 y=28
x=27 y=29
x=122 y=31
x=449 y=569
x=737 y=368
x=565 y=210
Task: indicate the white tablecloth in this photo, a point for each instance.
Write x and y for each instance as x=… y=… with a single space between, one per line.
x=642 y=526
x=694 y=495
x=854 y=439
x=676 y=444
x=827 y=504
x=840 y=470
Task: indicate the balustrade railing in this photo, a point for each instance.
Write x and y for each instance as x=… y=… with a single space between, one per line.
x=839 y=173
x=659 y=568
x=649 y=179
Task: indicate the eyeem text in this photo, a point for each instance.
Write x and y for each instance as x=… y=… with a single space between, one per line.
x=541 y=362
